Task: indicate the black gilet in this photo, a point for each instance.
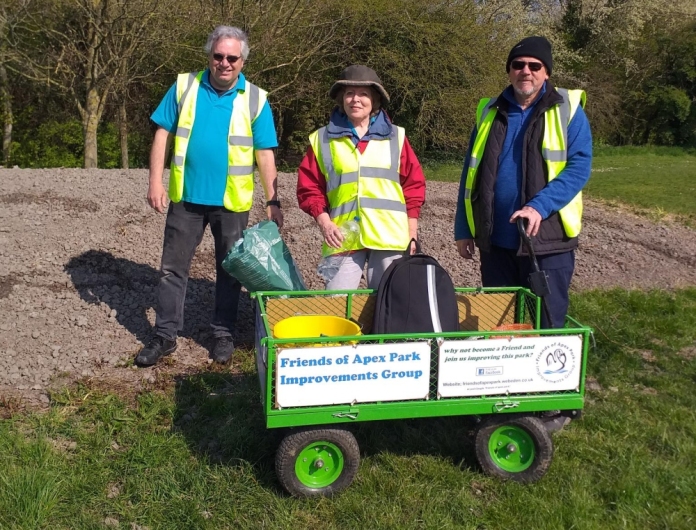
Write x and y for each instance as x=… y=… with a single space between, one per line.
x=551 y=237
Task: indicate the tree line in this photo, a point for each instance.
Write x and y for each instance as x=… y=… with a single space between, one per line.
x=80 y=78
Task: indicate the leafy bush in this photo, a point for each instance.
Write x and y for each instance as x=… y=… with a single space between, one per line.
x=57 y=144
x=53 y=144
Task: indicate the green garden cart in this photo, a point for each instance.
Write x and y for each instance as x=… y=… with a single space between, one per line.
x=500 y=368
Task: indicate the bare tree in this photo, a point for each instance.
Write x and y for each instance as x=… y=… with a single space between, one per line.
x=95 y=47
x=12 y=14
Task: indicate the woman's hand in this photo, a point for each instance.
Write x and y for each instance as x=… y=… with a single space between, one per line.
x=332 y=234
x=413 y=234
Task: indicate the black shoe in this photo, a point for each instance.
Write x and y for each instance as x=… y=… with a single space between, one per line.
x=158 y=347
x=223 y=350
x=554 y=420
x=556 y=423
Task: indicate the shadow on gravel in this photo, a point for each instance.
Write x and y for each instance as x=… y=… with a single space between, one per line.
x=223 y=421
x=130 y=289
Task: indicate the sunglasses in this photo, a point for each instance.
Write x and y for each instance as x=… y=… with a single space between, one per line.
x=230 y=58
x=533 y=67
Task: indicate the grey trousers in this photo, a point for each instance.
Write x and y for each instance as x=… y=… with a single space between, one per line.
x=183 y=232
x=351 y=270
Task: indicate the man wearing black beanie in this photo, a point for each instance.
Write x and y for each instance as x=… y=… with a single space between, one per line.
x=529 y=157
x=537 y=47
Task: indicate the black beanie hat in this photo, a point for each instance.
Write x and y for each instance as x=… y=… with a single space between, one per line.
x=537 y=47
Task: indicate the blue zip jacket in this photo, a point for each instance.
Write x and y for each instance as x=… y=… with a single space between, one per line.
x=340 y=126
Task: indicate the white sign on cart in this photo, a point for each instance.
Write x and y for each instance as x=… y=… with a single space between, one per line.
x=509 y=365
x=361 y=373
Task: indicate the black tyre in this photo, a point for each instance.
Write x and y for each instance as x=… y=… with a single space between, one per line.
x=315 y=462
x=514 y=447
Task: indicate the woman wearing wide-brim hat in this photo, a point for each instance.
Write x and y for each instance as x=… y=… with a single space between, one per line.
x=361 y=168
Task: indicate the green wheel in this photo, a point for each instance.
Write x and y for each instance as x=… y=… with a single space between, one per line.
x=314 y=462
x=515 y=447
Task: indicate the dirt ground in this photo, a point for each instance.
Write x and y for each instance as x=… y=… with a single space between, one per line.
x=79 y=259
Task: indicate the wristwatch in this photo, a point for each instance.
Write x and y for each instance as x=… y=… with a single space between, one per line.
x=273 y=203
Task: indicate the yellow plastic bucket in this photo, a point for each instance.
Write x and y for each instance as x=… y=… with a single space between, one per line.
x=309 y=326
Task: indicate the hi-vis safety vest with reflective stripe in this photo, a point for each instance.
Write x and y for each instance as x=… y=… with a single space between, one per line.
x=246 y=107
x=367 y=186
x=554 y=151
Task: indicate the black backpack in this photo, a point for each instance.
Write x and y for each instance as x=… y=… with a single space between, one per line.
x=415 y=295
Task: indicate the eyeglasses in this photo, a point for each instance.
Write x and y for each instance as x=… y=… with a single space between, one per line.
x=519 y=65
x=230 y=58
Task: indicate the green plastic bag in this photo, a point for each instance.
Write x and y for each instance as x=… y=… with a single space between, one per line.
x=261 y=261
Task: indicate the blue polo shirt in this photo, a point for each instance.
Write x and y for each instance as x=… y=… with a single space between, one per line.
x=508 y=186
x=206 y=157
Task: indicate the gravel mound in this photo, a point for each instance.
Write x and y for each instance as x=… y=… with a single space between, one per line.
x=79 y=259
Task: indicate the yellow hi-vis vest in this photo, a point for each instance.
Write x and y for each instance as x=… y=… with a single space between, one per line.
x=365 y=185
x=246 y=107
x=554 y=150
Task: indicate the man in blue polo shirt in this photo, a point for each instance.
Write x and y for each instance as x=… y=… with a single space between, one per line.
x=220 y=125
x=529 y=157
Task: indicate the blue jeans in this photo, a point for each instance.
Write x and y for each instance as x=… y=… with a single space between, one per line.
x=502 y=267
x=183 y=233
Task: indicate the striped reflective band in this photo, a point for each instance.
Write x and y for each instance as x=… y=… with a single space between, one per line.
x=334 y=179
x=189 y=83
x=564 y=109
x=552 y=155
x=560 y=155
x=432 y=299
x=183 y=132
x=382 y=204
x=178 y=160
x=488 y=106
x=379 y=172
x=467 y=194
x=394 y=150
x=243 y=141
x=391 y=173
x=240 y=171
x=253 y=101
x=342 y=209
x=473 y=162
x=346 y=178
x=377 y=204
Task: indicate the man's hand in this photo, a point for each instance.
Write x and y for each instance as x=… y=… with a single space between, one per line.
x=265 y=160
x=466 y=248
x=157 y=196
x=533 y=219
x=331 y=232
x=275 y=214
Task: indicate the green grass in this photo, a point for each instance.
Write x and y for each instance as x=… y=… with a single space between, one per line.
x=657 y=181
x=198 y=456
x=443 y=170
x=654 y=181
